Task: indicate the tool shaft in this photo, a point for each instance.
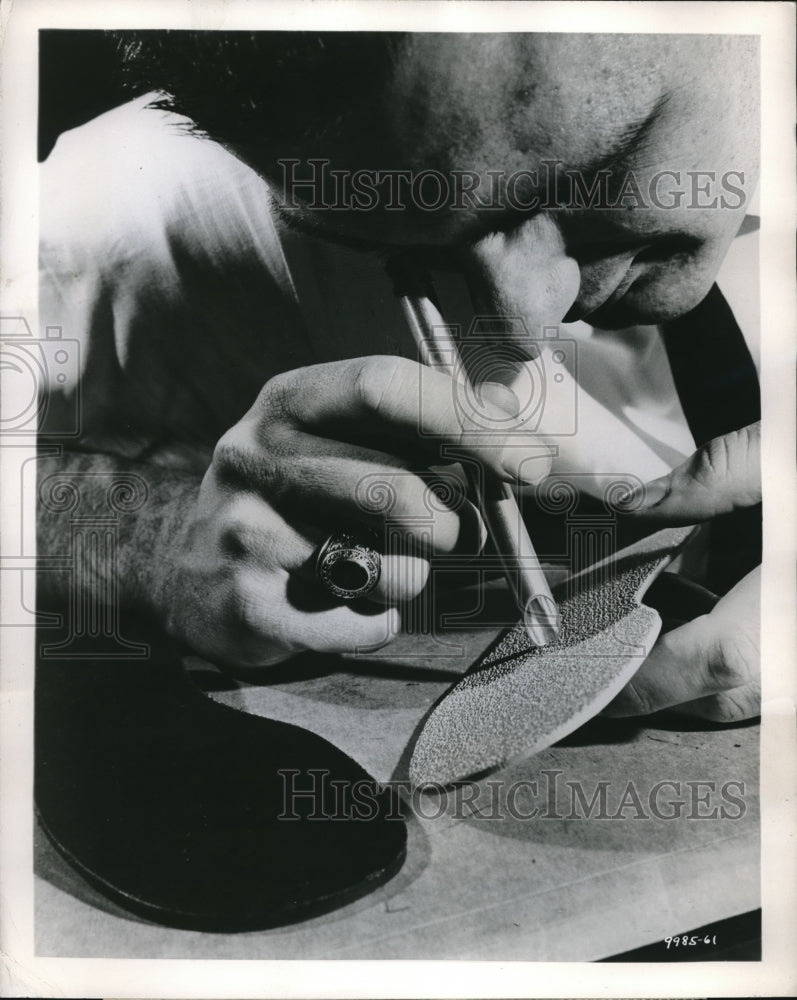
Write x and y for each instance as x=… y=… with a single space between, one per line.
x=496 y=500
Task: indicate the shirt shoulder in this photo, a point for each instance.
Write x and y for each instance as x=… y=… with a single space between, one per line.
x=160 y=256
x=136 y=183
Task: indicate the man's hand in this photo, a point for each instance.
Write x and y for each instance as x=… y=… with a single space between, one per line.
x=298 y=466
x=708 y=667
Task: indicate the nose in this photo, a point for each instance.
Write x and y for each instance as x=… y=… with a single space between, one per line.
x=524 y=273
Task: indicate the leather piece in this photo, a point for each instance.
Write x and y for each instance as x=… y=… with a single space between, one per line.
x=170 y=804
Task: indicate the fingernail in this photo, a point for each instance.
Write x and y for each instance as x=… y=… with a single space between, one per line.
x=645 y=496
x=525 y=465
x=541 y=618
x=501 y=396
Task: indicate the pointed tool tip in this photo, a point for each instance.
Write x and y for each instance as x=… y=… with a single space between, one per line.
x=541 y=619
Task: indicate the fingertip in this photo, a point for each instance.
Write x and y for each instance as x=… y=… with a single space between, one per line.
x=500 y=395
x=526 y=464
x=536 y=468
x=381 y=629
x=472 y=536
x=402 y=578
x=644 y=497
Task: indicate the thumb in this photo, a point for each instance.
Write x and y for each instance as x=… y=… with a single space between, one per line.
x=720 y=477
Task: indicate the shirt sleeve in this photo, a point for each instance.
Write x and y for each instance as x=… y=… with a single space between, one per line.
x=159 y=259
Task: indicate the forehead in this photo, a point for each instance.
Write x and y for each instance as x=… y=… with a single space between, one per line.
x=504 y=103
x=468 y=100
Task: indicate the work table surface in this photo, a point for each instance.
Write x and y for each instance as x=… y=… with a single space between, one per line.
x=480 y=880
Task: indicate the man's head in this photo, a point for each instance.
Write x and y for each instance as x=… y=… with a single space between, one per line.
x=587 y=175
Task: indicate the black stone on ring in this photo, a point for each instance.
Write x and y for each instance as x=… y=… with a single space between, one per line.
x=347 y=568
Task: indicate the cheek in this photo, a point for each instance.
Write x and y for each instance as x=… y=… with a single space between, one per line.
x=671 y=287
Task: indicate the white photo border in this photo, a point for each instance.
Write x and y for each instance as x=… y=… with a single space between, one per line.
x=27 y=975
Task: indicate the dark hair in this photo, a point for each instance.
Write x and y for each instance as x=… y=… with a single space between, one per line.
x=237 y=85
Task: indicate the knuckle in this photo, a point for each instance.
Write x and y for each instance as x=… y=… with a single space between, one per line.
x=226 y=454
x=731 y=463
x=734 y=660
x=238 y=463
x=234 y=541
x=377 y=380
x=274 y=401
x=713 y=461
x=728 y=456
x=242 y=528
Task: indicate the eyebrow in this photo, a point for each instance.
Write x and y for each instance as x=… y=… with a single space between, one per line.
x=630 y=141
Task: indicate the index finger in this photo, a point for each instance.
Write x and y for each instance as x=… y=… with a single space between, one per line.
x=444 y=416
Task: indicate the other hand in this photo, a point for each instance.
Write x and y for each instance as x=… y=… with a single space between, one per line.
x=710 y=666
